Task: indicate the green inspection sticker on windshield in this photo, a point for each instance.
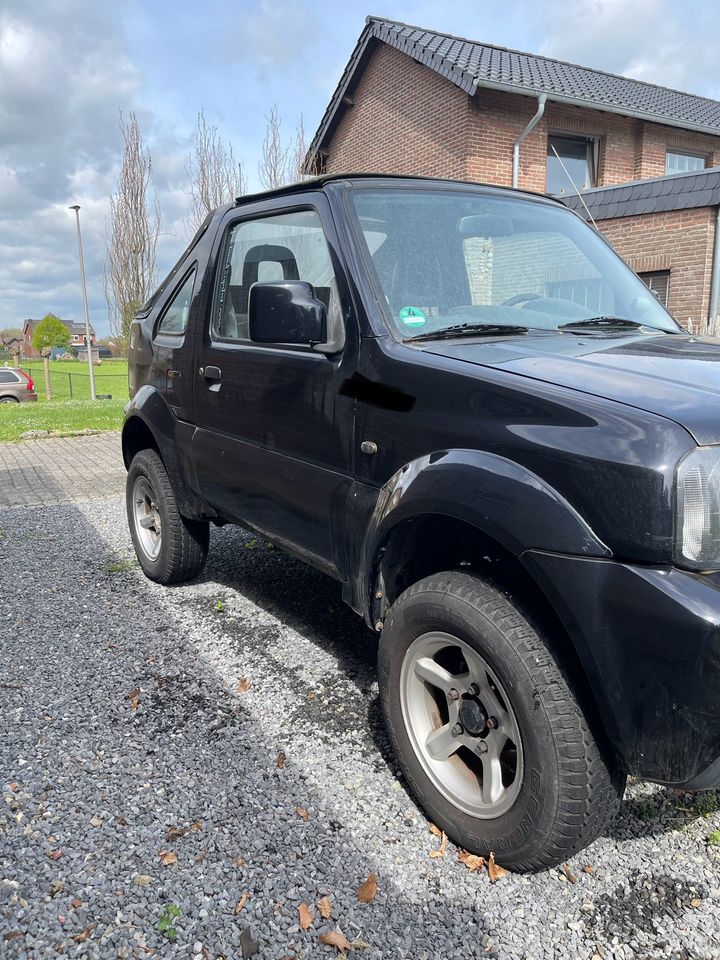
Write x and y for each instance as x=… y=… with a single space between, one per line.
x=413 y=317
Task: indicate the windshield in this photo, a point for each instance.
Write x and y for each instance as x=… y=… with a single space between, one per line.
x=453 y=257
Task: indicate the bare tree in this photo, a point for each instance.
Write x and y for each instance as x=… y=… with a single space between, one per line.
x=215 y=175
x=299 y=151
x=132 y=233
x=273 y=166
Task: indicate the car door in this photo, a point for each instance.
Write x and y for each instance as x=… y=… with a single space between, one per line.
x=273 y=440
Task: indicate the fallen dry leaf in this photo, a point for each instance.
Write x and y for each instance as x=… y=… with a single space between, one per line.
x=360 y=945
x=13 y=787
x=54 y=854
x=311 y=695
x=241 y=903
x=306 y=918
x=196 y=826
x=366 y=891
x=174 y=833
x=302 y=813
x=56 y=888
x=572 y=877
x=239 y=861
x=587 y=868
x=695 y=903
x=436 y=831
x=76 y=903
x=134 y=698
x=471 y=861
x=281 y=759
x=325 y=908
x=142 y=880
x=335 y=939
x=495 y=871
x=14 y=934
x=167 y=857
x=83 y=935
x=443 y=847
x=243 y=685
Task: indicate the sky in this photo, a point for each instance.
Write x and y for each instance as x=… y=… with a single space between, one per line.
x=68 y=69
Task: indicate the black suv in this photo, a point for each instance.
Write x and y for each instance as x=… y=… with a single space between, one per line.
x=456 y=400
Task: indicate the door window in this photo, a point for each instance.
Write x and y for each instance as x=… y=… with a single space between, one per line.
x=289 y=246
x=175 y=317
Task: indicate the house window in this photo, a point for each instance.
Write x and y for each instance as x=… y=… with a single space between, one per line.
x=659 y=282
x=676 y=162
x=570 y=160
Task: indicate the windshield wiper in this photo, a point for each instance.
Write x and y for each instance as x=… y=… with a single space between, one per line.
x=606 y=323
x=468 y=330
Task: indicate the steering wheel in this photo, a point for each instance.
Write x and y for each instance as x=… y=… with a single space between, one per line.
x=519 y=298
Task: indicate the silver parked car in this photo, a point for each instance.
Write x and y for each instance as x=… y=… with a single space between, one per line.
x=16 y=386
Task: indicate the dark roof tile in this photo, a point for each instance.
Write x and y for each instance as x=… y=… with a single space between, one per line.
x=674 y=192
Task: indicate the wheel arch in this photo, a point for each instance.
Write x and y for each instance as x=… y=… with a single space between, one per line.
x=150 y=424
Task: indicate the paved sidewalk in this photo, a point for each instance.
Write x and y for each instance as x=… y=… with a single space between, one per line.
x=60 y=470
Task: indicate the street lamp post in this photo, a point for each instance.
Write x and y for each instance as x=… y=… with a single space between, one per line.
x=88 y=339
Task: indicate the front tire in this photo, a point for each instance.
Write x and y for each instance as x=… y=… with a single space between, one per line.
x=169 y=547
x=486 y=728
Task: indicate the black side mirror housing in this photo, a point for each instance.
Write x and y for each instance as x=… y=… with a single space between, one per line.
x=286 y=312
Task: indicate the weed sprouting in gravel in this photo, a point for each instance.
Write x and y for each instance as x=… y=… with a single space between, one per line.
x=166 y=924
x=120 y=566
x=714 y=838
x=219 y=606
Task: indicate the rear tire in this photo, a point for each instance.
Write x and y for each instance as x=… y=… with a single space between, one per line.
x=169 y=547
x=486 y=728
x=9 y=400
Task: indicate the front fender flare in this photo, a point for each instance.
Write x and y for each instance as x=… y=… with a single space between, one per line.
x=500 y=498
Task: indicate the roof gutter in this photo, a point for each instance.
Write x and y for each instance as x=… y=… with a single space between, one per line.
x=542 y=99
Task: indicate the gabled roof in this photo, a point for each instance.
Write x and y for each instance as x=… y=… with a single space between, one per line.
x=74 y=328
x=470 y=64
x=677 y=191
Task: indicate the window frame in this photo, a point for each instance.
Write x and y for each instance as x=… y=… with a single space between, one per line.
x=685 y=153
x=592 y=144
x=159 y=332
x=649 y=275
x=265 y=213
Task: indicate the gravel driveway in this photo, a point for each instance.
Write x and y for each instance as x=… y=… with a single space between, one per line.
x=168 y=755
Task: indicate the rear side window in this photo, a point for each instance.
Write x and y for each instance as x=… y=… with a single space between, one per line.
x=7 y=376
x=288 y=246
x=175 y=317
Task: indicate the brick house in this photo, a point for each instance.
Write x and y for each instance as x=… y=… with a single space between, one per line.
x=419 y=102
x=76 y=331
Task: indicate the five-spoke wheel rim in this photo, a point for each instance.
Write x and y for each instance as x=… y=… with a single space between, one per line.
x=147 y=519
x=461 y=725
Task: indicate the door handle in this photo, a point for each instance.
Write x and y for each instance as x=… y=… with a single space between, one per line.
x=211 y=373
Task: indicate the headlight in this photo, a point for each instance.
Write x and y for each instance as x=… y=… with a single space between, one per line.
x=697 y=519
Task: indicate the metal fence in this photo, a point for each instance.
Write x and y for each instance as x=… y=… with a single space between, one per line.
x=75 y=385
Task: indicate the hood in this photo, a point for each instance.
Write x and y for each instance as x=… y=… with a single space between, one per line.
x=673 y=375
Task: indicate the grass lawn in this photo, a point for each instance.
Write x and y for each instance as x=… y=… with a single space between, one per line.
x=63 y=415
x=69 y=379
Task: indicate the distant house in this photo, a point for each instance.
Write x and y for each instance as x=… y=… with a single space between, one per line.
x=11 y=344
x=76 y=331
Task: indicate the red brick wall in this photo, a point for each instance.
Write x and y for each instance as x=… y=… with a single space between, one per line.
x=406 y=119
x=680 y=241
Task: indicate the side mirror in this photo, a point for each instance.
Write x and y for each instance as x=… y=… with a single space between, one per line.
x=286 y=312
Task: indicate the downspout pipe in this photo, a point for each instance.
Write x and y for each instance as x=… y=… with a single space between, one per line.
x=715 y=278
x=542 y=99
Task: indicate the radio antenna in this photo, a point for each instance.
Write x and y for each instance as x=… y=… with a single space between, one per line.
x=580 y=196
